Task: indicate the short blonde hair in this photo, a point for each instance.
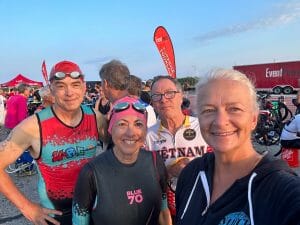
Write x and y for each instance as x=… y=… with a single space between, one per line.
x=229 y=74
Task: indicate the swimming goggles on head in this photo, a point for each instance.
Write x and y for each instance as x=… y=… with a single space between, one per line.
x=62 y=75
x=137 y=106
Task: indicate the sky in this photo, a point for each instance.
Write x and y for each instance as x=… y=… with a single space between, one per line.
x=205 y=34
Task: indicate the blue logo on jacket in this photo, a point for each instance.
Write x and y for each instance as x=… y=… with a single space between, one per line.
x=237 y=218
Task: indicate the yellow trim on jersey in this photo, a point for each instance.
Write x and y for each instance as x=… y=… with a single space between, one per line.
x=186 y=123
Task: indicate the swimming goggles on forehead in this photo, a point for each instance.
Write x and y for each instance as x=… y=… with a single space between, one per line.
x=137 y=106
x=62 y=75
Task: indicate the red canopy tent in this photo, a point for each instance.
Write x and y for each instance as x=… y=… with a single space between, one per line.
x=21 y=79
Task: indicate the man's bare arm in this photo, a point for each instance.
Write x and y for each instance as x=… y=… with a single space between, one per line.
x=23 y=136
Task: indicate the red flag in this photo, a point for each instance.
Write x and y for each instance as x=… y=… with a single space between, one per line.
x=164 y=44
x=44 y=71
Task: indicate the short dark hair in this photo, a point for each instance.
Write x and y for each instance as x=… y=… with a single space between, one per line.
x=135 y=85
x=149 y=83
x=22 y=88
x=174 y=81
x=116 y=74
x=145 y=96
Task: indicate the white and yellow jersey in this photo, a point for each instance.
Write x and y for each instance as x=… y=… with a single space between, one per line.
x=186 y=143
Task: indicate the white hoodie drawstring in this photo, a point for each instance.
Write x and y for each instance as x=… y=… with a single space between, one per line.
x=189 y=199
x=206 y=189
x=253 y=175
x=207 y=194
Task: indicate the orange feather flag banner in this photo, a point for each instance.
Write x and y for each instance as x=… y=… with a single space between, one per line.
x=44 y=72
x=165 y=47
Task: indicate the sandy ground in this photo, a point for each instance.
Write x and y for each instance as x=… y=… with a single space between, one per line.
x=9 y=215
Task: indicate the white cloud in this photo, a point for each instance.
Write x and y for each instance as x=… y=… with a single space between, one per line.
x=281 y=14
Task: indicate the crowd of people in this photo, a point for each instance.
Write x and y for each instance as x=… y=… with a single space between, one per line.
x=159 y=164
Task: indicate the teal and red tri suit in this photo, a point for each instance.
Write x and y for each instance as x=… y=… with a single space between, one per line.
x=64 y=151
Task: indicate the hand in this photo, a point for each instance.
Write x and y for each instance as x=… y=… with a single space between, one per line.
x=175 y=168
x=39 y=215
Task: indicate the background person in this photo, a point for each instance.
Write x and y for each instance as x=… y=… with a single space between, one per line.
x=47 y=99
x=100 y=94
x=175 y=136
x=290 y=135
x=12 y=92
x=34 y=101
x=298 y=99
x=16 y=112
x=16 y=107
x=234 y=184
x=145 y=94
x=135 y=88
x=61 y=138
x=185 y=107
x=2 y=107
x=127 y=184
x=114 y=80
x=114 y=77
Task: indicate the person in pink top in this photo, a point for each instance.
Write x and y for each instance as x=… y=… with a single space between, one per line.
x=16 y=107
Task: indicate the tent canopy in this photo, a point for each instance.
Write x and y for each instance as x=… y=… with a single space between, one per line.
x=21 y=79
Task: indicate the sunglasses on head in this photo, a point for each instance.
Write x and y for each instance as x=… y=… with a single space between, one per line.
x=137 y=106
x=62 y=75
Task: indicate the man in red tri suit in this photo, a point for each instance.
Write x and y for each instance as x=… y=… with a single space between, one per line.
x=62 y=138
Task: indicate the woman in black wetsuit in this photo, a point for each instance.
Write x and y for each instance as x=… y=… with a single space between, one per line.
x=126 y=184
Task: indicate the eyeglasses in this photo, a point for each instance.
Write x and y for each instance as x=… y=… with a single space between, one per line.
x=137 y=106
x=167 y=95
x=62 y=75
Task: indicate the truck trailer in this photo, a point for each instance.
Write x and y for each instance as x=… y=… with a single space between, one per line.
x=279 y=77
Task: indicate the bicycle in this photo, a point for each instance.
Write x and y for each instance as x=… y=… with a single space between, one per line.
x=271 y=120
x=24 y=166
x=276 y=107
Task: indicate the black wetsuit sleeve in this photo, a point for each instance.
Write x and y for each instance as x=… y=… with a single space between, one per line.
x=84 y=196
x=162 y=171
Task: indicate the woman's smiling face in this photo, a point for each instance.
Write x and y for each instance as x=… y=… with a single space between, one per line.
x=128 y=135
x=226 y=115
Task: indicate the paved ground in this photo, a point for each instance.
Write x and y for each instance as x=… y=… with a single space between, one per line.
x=9 y=215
